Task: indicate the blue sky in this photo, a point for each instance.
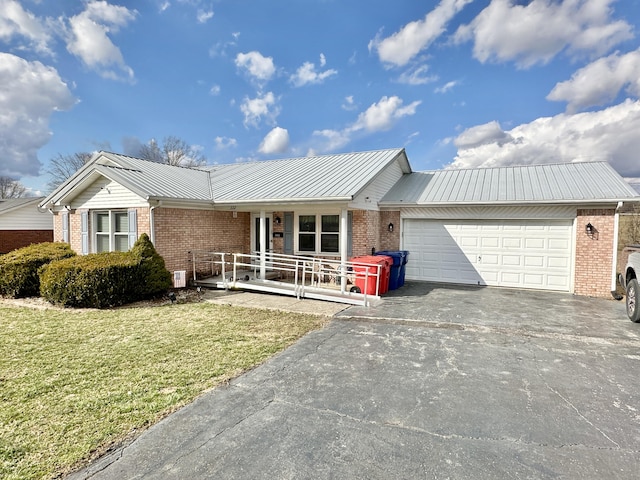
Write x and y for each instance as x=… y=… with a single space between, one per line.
x=458 y=83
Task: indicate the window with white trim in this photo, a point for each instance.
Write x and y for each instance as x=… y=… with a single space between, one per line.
x=111 y=231
x=318 y=233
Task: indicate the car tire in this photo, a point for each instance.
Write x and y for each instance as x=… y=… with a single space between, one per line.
x=633 y=309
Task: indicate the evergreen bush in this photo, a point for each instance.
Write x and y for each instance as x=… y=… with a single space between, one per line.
x=98 y=280
x=154 y=279
x=109 y=279
x=19 y=268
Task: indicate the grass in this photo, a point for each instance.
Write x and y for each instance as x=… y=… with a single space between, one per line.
x=73 y=383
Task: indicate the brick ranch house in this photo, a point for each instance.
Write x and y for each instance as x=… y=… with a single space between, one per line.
x=550 y=227
x=21 y=223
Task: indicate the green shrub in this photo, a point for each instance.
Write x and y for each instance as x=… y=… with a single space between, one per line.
x=19 y=268
x=98 y=280
x=103 y=280
x=154 y=278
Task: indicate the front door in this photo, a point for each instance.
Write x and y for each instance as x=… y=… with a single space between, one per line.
x=256 y=247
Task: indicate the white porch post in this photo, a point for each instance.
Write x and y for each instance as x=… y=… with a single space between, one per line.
x=344 y=247
x=263 y=245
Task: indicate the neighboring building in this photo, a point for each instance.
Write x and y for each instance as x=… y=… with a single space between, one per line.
x=21 y=223
x=551 y=227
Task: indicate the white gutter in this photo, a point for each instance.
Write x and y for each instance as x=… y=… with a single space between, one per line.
x=614 y=266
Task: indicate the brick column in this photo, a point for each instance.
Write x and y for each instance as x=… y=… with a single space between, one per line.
x=594 y=253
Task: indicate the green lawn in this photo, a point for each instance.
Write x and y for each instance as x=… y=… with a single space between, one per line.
x=74 y=382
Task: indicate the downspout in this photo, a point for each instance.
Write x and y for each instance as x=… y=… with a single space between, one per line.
x=152 y=223
x=614 y=266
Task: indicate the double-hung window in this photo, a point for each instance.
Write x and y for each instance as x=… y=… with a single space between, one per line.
x=318 y=233
x=111 y=231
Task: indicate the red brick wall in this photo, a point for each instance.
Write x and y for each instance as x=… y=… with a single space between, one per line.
x=12 y=239
x=594 y=253
x=366 y=232
x=389 y=240
x=178 y=231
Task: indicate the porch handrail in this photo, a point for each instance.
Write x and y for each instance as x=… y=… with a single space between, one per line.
x=316 y=269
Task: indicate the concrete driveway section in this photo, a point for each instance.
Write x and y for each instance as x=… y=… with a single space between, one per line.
x=434 y=382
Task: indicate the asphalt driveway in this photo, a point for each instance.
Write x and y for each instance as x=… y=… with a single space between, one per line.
x=435 y=382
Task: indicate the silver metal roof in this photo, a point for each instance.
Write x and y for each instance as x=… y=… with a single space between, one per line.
x=342 y=176
x=567 y=182
x=156 y=180
x=327 y=177
x=9 y=204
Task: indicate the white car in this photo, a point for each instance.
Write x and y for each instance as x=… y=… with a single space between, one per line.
x=629 y=281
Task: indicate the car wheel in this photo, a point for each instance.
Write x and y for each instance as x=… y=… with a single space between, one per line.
x=633 y=310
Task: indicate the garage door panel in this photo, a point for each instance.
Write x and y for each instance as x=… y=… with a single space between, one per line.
x=510 y=242
x=558 y=262
x=538 y=243
x=512 y=260
x=510 y=277
x=525 y=253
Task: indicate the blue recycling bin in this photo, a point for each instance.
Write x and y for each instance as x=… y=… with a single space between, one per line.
x=394 y=274
x=405 y=259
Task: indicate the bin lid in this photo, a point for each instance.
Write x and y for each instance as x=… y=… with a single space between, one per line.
x=397 y=257
x=370 y=259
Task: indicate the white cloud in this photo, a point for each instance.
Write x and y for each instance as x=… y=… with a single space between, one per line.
x=331 y=140
x=382 y=115
x=257 y=109
x=349 y=103
x=489 y=133
x=259 y=67
x=29 y=93
x=417 y=76
x=164 y=6
x=537 y=32
x=16 y=21
x=402 y=46
x=88 y=38
x=610 y=134
x=306 y=74
x=214 y=90
x=204 y=15
x=223 y=143
x=447 y=86
x=276 y=141
x=600 y=82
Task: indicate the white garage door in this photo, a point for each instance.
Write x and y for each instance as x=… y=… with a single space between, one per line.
x=507 y=253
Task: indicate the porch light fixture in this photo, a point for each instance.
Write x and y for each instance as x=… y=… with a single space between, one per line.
x=277 y=220
x=589 y=229
x=390 y=227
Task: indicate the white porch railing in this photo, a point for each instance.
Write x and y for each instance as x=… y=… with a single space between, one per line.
x=301 y=276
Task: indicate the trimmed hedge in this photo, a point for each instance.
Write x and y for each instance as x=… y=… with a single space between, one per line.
x=19 y=268
x=98 y=280
x=103 y=280
x=154 y=278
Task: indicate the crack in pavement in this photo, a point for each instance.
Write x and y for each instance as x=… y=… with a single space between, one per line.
x=522 y=332
x=574 y=408
x=449 y=436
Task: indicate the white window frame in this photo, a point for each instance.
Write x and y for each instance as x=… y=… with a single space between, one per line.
x=318 y=233
x=112 y=234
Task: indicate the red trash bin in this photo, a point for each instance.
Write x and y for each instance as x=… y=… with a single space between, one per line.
x=366 y=269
